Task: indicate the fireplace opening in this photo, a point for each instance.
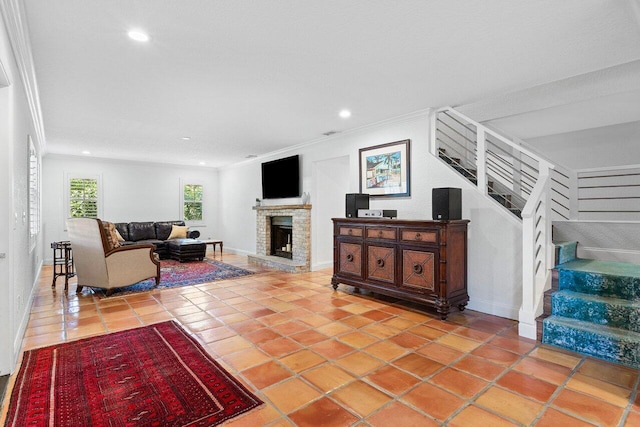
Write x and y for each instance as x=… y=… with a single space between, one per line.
x=282 y=236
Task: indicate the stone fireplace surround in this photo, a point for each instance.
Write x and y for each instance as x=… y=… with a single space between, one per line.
x=301 y=238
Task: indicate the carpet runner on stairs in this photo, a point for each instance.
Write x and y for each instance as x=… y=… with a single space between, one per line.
x=595 y=309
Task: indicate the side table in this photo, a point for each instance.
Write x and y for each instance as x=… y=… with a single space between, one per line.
x=62 y=262
x=213 y=243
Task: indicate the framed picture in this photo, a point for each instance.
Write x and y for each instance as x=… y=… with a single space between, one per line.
x=384 y=170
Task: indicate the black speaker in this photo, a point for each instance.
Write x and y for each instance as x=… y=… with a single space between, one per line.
x=354 y=202
x=446 y=203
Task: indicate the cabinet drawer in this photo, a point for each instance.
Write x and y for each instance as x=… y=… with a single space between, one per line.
x=351 y=231
x=350 y=258
x=381 y=263
x=419 y=236
x=418 y=271
x=381 y=233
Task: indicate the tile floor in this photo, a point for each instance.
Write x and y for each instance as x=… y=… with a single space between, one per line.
x=324 y=358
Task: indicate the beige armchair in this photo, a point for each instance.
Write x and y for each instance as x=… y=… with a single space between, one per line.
x=101 y=267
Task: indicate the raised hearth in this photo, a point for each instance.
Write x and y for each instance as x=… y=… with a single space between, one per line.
x=300 y=261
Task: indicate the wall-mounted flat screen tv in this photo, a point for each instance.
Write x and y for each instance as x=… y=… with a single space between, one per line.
x=281 y=178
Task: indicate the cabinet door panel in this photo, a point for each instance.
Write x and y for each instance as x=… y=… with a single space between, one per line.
x=418 y=270
x=381 y=263
x=351 y=258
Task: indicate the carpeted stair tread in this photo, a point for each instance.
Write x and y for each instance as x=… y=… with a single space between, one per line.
x=610 y=268
x=604 y=342
x=609 y=311
x=565 y=251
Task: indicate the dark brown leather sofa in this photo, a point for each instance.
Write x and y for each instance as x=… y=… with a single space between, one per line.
x=155 y=233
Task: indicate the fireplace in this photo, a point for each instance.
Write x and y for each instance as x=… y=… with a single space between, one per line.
x=283 y=237
x=281 y=240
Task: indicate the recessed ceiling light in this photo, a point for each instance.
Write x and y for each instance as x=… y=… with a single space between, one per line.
x=186 y=138
x=345 y=114
x=86 y=152
x=202 y=163
x=138 y=36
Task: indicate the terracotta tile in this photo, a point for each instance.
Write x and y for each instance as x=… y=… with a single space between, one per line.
x=474 y=334
x=400 y=323
x=436 y=402
x=361 y=398
x=315 y=320
x=519 y=345
x=290 y=327
x=229 y=345
x=510 y=405
x=357 y=339
x=556 y=355
x=527 y=385
x=232 y=318
x=397 y=412
x=418 y=364
x=355 y=308
x=123 y=324
x=246 y=326
x=216 y=334
x=611 y=393
x=633 y=419
x=323 y=412
x=479 y=367
x=379 y=330
x=334 y=329
x=308 y=337
x=427 y=332
x=290 y=395
x=266 y=374
x=550 y=372
x=496 y=355
x=555 y=418
x=331 y=349
x=262 y=335
x=474 y=416
x=328 y=377
x=86 y=331
x=459 y=382
x=385 y=350
x=377 y=315
x=359 y=363
x=243 y=359
x=392 y=379
x=356 y=321
x=279 y=347
x=458 y=343
x=440 y=353
x=587 y=407
x=336 y=314
x=302 y=360
x=408 y=340
x=494 y=326
x=609 y=372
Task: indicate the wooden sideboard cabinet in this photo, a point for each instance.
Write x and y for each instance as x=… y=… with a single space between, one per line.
x=421 y=261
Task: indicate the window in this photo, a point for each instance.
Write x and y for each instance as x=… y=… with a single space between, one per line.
x=83 y=196
x=192 y=202
x=34 y=193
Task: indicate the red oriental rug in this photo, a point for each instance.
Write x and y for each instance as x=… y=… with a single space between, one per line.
x=154 y=376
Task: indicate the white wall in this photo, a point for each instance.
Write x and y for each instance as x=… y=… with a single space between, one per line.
x=20 y=266
x=132 y=191
x=495 y=258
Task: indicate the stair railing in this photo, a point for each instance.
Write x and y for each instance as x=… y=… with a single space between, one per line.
x=502 y=168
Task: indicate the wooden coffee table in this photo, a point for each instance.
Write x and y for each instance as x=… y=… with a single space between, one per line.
x=213 y=243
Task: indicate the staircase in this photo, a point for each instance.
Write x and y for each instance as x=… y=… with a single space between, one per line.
x=593 y=307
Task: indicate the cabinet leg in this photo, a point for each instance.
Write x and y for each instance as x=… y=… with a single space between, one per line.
x=442 y=307
x=334 y=284
x=462 y=306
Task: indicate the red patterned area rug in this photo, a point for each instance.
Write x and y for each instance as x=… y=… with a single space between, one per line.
x=154 y=376
x=174 y=274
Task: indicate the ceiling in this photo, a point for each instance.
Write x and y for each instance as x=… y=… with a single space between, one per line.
x=250 y=77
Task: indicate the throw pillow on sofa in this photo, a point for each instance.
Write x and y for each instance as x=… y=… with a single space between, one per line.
x=112 y=237
x=178 y=232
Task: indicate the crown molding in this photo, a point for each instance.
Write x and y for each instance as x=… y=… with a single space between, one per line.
x=16 y=23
